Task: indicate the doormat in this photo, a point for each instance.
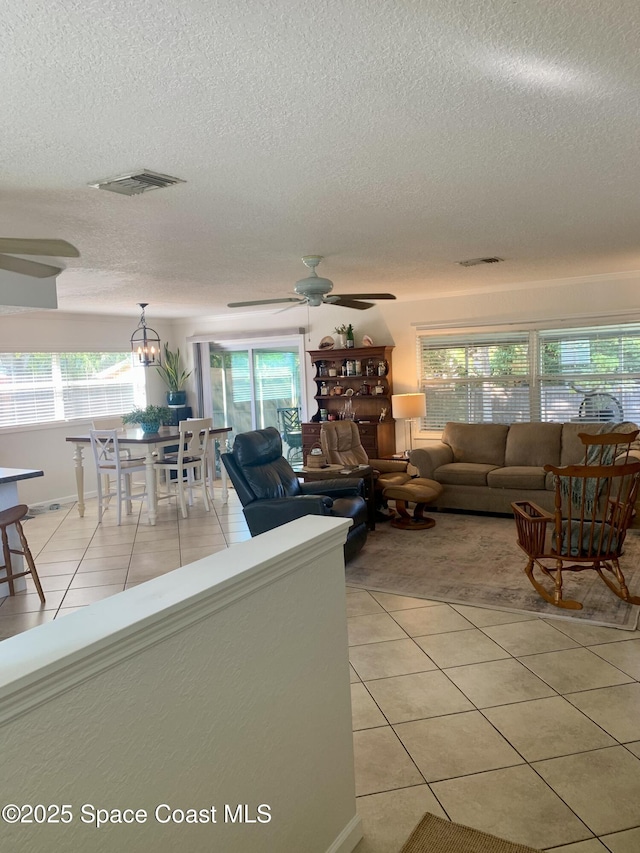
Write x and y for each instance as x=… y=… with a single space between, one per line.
x=435 y=835
x=475 y=560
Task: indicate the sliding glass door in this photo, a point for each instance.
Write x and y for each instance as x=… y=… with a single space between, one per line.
x=246 y=384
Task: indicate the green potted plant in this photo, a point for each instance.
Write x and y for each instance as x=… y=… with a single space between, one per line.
x=149 y=418
x=341 y=336
x=174 y=377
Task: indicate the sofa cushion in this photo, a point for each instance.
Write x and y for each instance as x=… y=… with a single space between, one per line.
x=463 y=474
x=534 y=444
x=480 y=443
x=517 y=477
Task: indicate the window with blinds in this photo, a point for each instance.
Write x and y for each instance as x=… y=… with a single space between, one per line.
x=39 y=387
x=590 y=374
x=476 y=379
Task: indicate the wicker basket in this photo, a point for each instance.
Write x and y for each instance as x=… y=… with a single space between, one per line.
x=316 y=460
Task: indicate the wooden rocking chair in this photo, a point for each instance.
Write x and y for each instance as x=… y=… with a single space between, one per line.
x=594 y=506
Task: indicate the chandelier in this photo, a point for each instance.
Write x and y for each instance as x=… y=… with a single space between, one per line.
x=145 y=343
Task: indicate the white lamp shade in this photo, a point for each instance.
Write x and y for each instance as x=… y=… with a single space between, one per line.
x=408 y=405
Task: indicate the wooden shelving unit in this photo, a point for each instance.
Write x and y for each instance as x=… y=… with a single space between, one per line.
x=378 y=436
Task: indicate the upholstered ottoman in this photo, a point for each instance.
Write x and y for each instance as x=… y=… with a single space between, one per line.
x=420 y=491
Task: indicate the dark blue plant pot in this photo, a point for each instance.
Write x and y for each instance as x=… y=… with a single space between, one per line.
x=150 y=427
x=176 y=398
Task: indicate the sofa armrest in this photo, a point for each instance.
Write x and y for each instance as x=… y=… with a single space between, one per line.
x=388 y=466
x=265 y=515
x=346 y=487
x=427 y=459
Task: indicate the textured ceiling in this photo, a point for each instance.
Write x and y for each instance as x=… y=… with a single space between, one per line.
x=394 y=138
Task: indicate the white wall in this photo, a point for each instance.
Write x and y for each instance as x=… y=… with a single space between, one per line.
x=387 y=323
x=205 y=686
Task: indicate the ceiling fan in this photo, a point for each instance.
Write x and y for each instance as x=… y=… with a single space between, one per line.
x=50 y=248
x=314 y=291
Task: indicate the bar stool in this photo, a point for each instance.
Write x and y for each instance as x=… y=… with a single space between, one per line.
x=10 y=516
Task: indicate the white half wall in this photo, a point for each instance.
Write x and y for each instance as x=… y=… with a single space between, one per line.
x=224 y=682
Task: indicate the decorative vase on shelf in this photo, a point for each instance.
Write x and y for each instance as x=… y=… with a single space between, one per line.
x=341 y=341
x=350 y=338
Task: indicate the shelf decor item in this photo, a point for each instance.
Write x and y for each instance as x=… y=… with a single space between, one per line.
x=327 y=342
x=174 y=377
x=341 y=336
x=149 y=418
x=351 y=341
x=316 y=458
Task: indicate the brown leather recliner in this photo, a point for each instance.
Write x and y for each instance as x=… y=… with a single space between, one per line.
x=341 y=445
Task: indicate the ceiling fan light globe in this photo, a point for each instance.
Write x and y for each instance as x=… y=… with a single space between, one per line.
x=313 y=285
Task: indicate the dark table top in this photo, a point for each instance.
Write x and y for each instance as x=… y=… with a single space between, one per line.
x=12 y=475
x=136 y=436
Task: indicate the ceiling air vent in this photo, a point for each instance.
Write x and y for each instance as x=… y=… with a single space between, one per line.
x=475 y=261
x=137 y=182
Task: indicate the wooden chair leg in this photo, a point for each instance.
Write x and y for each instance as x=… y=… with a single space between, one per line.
x=620 y=589
x=554 y=598
x=30 y=562
x=7 y=561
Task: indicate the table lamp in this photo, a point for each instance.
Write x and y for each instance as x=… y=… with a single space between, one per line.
x=407 y=407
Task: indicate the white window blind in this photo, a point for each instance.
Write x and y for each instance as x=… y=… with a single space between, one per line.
x=476 y=378
x=590 y=374
x=39 y=387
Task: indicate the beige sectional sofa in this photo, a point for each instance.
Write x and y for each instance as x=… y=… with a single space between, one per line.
x=487 y=466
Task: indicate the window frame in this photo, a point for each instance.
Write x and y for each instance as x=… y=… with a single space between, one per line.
x=60 y=383
x=536 y=334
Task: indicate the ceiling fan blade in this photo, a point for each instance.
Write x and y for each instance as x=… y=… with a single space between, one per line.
x=53 y=248
x=366 y=295
x=290 y=307
x=263 y=302
x=31 y=268
x=351 y=303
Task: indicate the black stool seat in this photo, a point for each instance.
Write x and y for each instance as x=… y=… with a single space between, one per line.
x=13 y=516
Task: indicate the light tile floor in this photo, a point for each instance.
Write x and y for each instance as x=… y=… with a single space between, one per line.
x=524 y=727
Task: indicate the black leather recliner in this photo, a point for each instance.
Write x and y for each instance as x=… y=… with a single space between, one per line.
x=272 y=495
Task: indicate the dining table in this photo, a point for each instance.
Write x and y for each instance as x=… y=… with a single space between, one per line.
x=148 y=444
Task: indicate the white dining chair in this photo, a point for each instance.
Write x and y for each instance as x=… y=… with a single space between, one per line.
x=211 y=458
x=190 y=462
x=109 y=460
x=125 y=452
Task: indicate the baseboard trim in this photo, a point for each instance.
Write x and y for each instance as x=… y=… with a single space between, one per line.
x=349 y=838
x=63 y=501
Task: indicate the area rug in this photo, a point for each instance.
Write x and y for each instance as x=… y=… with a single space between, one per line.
x=473 y=559
x=435 y=835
